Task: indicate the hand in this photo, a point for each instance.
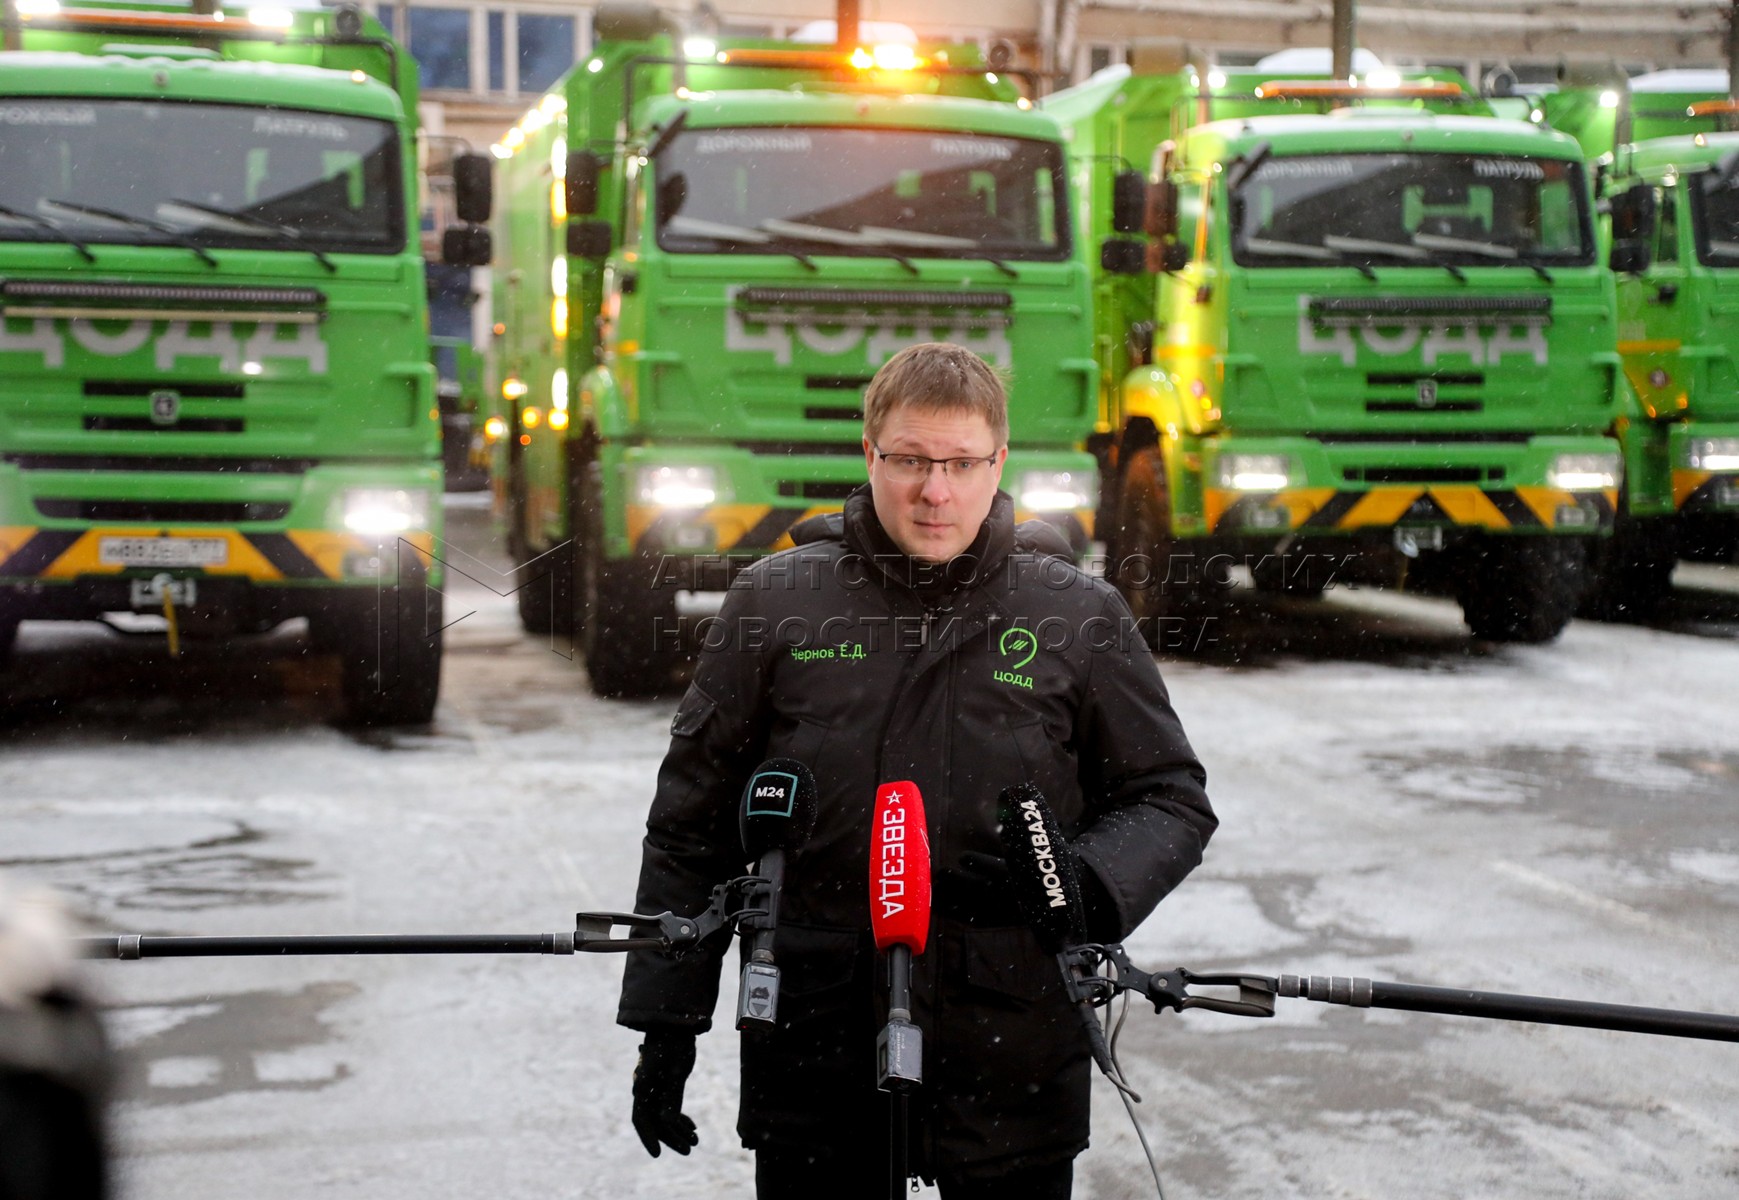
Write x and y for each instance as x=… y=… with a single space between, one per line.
x=666 y=1058
x=984 y=870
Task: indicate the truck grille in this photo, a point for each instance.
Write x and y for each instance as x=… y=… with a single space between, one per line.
x=223 y=512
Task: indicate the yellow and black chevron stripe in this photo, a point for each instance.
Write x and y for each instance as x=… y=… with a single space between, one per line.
x=293 y=556
x=745 y=528
x=1696 y=490
x=1380 y=507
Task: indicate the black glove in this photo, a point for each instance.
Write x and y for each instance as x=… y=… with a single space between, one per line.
x=990 y=873
x=666 y=1058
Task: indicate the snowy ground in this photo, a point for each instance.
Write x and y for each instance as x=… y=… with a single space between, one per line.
x=1397 y=803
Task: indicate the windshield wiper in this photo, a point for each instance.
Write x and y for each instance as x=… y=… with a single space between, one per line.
x=121 y=218
x=917 y=239
x=834 y=237
x=738 y=235
x=45 y=223
x=1306 y=250
x=1405 y=253
x=1433 y=241
x=282 y=232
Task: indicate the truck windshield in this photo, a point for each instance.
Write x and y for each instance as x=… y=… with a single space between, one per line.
x=873 y=192
x=1450 y=210
x=197 y=175
x=1716 y=205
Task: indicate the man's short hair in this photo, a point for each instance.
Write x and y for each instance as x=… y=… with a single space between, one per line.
x=936 y=377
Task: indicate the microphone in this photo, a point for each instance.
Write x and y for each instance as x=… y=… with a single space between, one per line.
x=1047 y=891
x=900 y=919
x=777 y=814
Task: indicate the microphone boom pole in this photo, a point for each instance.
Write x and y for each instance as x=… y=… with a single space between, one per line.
x=1257 y=993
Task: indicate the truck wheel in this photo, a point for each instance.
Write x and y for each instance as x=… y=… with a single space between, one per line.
x=1631 y=572
x=1145 y=545
x=1522 y=589
x=546 y=592
x=1281 y=575
x=628 y=626
x=391 y=652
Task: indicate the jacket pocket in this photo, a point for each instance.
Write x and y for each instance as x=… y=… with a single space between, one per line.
x=815 y=963
x=1009 y=965
x=692 y=713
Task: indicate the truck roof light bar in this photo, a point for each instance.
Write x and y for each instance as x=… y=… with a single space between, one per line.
x=1712 y=108
x=1345 y=89
x=77 y=19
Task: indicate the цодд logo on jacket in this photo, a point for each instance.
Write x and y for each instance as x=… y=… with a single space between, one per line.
x=1017 y=647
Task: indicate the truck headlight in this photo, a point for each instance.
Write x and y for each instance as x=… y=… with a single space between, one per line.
x=1055 y=491
x=676 y=487
x=1713 y=454
x=1254 y=472
x=1583 y=472
x=377 y=511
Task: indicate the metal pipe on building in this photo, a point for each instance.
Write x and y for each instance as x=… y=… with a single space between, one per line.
x=1343 y=37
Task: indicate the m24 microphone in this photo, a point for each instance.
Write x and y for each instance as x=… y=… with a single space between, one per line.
x=900 y=919
x=777 y=814
x=1047 y=890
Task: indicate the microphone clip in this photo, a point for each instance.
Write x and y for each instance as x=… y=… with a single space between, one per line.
x=1095 y=973
x=668 y=932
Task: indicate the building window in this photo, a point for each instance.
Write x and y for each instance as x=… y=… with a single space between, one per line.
x=389 y=18
x=497 y=22
x=546 y=49
x=440 y=41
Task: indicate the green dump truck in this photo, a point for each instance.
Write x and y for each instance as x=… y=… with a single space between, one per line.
x=1365 y=329
x=704 y=251
x=1671 y=135
x=216 y=395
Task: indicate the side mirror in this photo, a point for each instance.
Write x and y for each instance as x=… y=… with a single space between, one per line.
x=1167 y=258
x=1160 y=220
x=1630 y=257
x=584 y=170
x=1123 y=256
x=1128 y=201
x=589 y=239
x=1633 y=212
x=467 y=246
x=473 y=192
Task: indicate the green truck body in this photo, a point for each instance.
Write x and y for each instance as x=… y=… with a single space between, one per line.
x=1364 y=339
x=216 y=397
x=1678 y=331
x=686 y=351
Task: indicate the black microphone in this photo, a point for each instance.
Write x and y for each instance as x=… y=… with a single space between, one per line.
x=1047 y=891
x=777 y=814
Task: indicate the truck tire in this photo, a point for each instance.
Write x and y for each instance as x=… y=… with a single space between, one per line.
x=546 y=592
x=1522 y=589
x=627 y=627
x=1631 y=572
x=391 y=651
x=1145 y=544
x=1274 y=575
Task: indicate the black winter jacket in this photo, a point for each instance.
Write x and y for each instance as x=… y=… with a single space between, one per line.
x=1029 y=672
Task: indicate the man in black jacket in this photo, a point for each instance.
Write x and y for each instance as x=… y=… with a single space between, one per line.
x=917 y=635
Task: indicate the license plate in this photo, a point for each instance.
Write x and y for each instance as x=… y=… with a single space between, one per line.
x=151 y=593
x=162 y=552
x=1410 y=539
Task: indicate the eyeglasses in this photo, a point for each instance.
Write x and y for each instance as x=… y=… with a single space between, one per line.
x=915 y=468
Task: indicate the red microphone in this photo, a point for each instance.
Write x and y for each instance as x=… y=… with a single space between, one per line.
x=900 y=869
x=900 y=918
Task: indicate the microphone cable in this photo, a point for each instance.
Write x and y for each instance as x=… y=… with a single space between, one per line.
x=1127 y=1094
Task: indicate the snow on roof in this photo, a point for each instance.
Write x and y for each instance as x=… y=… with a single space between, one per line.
x=1682 y=79
x=1317 y=60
